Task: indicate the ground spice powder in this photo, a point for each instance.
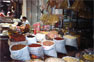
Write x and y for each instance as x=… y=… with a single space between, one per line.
x=59 y=38
x=48 y=43
x=18 y=47
x=34 y=45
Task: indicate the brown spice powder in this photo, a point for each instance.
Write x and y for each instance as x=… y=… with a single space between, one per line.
x=34 y=45
x=48 y=43
x=18 y=47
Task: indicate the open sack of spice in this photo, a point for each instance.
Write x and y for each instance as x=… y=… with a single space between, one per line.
x=36 y=51
x=52 y=34
x=19 y=52
x=16 y=38
x=46 y=27
x=31 y=39
x=60 y=45
x=54 y=60
x=70 y=59
x=49 y=48
x=35 y=60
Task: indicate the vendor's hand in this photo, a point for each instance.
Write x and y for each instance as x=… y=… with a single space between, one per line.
x=22 y=27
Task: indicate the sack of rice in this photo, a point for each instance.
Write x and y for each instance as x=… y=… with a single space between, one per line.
x=71 y=40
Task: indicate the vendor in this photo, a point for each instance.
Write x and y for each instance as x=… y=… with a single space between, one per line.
x=25 y=25
x=25 y=21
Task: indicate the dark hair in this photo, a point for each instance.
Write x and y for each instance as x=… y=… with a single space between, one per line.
x=24 y=17
x=10 y=14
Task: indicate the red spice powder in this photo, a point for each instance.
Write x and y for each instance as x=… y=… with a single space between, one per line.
x=59 y=38
x=34 y=45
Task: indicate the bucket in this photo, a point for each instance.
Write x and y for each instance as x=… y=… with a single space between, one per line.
x=19 y=52
x=60 y=45
x=31 y=39
x=36 y=51
x=49 y=48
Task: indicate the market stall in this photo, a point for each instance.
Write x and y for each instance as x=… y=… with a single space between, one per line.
x=50 y=40
x=40 y=43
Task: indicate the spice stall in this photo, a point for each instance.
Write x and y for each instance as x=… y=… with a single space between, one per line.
x=51 y=40
x=44 y=45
